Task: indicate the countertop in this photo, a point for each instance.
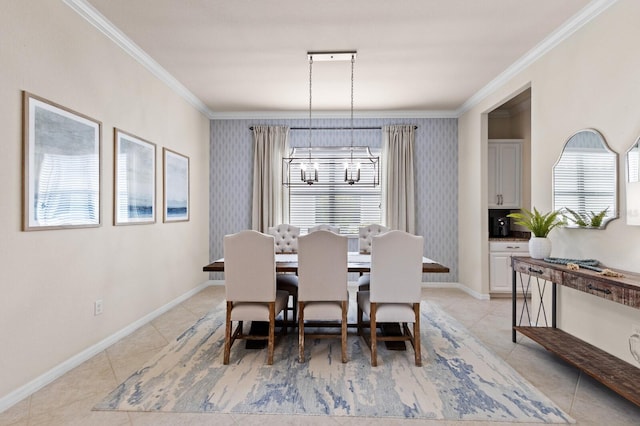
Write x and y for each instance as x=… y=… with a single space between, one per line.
x=513 y=236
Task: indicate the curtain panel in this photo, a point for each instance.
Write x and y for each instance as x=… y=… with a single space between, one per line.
x=398 y=178
x=270 y=202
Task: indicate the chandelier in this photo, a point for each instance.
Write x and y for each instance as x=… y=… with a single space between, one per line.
x=318 y=166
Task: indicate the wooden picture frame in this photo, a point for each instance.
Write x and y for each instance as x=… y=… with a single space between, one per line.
x=175 y=186
x=134 y=179
x=61 y=166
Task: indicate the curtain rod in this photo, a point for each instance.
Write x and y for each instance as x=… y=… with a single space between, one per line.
x=336 y=128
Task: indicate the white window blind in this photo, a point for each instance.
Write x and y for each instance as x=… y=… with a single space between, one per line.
x=334 y=202
x=582 y=191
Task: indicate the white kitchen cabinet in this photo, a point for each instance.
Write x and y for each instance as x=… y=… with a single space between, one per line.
x=505 y=173
x=500 y=272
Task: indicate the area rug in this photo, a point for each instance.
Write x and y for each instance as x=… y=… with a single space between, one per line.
x=460 y=378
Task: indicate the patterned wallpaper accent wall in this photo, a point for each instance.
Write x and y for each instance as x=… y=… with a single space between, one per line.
x=436 y=153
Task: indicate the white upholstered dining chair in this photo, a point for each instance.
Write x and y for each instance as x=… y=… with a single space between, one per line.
x=365 y=235
x=285 y=238
x=286 y=242
x=395 y=290
x=324 y=227
x=322 y=285
x=250 y=287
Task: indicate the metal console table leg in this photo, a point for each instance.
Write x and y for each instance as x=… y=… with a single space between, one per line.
x=525 y=310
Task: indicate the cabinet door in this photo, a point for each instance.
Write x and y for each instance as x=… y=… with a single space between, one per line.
x=494 y=175
x=510 y=175
x=500 y=272
x=504 y=173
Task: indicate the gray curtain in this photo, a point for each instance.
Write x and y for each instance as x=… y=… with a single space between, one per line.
x=398 y=178
x=270 y=204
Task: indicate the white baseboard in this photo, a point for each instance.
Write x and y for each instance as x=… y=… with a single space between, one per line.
x=61 y=369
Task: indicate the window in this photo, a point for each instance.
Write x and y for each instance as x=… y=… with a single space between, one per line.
x=331 y=201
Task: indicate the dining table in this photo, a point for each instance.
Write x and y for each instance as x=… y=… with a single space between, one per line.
x=356 y=262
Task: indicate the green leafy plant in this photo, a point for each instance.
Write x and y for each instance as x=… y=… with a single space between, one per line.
x=584 y=220
x=579 y=219
x=596 y=219
x=539 y=224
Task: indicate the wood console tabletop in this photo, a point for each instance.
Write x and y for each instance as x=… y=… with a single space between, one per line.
x=618 y=375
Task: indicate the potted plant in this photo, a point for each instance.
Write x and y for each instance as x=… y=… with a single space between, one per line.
x=540 y=225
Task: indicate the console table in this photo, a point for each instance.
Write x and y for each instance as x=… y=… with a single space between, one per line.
x=534 y=275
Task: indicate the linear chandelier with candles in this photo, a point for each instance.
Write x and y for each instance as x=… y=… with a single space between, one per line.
x=317 y=166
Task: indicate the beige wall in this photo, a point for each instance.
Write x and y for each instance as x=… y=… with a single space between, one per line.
x=589 y=80
x=50 y=279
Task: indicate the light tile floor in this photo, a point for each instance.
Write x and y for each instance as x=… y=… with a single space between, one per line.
x=69 y=399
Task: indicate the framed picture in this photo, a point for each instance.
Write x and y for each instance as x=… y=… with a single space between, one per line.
x=61 y=166
x=134 y=196
x=176 y=186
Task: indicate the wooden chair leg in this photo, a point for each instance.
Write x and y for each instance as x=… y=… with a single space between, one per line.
x=285 y=321
x=416 y=334
x=272 y=327
x=227 y=334
x=300 y=331
x=294 y=311
x=343 y=339
x=374 y=335
x=359 y=320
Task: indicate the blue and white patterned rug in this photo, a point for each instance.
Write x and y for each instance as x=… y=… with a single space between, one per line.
x=460 y=378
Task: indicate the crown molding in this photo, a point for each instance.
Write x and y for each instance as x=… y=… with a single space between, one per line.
x=95 y=18
x=586 y=15
x=281 y=115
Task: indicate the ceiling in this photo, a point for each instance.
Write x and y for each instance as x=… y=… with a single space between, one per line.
x=242 y=57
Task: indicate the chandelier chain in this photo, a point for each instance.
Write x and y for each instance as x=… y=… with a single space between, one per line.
x=353 y=61
x=310 y=97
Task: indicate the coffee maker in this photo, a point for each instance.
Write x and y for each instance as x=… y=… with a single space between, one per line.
x=500 y=226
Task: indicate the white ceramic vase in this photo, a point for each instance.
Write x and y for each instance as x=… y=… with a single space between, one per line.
x=539 y=247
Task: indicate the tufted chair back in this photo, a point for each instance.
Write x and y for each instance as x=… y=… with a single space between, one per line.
x=324 y=227
x=366 y=233
x=286 y=238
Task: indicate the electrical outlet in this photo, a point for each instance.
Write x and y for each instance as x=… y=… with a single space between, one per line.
x=635 y=329
x=97 y=307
